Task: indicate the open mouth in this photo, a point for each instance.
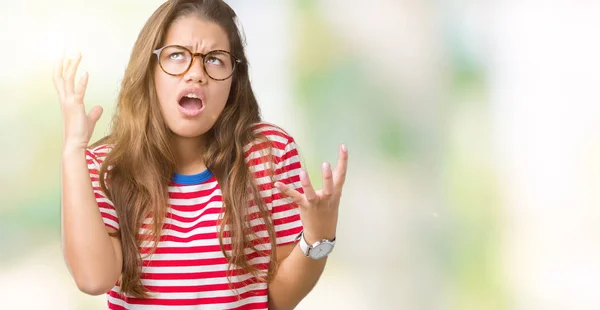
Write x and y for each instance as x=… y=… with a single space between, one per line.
x=191 y=104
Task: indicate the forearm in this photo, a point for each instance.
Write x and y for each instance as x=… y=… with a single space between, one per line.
x=295 y=278
x=87 y=247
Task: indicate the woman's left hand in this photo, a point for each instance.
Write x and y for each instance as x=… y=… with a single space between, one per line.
x=319 y=209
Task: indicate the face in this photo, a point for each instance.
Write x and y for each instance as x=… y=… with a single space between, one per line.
x=184 y=114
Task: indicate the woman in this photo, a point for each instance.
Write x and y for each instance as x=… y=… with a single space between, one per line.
x=191 y=201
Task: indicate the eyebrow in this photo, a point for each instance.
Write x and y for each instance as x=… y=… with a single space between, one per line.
x=191 y=48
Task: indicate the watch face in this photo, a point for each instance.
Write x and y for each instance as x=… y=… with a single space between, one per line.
x=321 y=250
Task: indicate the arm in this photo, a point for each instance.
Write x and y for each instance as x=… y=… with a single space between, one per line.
x=297 y=274
x=92 y=256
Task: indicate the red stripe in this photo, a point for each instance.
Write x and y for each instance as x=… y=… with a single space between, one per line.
x=193 y=219
x=201 y=288
x=193 y=275
x=110 y=226
x=196 y=262
x=288 y=232
x=287 y=220
x=194 y=301
x=253 y=306
x=112 y=306
x=198 y=206
x=194 y=194
x=194 y=249
x=109 y=216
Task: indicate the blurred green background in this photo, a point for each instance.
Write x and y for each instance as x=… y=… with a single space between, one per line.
x=473 y=129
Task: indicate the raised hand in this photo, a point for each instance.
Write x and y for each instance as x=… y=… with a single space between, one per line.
x=77 y=126
x=319 y=209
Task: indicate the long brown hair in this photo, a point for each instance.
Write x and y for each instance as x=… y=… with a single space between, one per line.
x=142 y=163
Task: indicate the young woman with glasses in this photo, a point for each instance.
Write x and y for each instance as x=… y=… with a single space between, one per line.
x=191 y=201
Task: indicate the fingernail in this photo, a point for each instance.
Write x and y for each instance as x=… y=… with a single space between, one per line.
x=325 y=165
x=344 y=148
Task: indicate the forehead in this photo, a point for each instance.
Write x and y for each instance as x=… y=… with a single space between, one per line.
x=197 y=34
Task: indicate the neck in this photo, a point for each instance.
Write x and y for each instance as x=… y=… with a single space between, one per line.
x=189 y=154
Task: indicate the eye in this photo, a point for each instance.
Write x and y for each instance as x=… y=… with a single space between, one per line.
x=177 y=56
x=212 y=60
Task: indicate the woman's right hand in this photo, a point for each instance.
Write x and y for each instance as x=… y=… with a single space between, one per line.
x=77 y=126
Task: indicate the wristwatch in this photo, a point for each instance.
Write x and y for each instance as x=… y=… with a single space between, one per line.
x=317 y=250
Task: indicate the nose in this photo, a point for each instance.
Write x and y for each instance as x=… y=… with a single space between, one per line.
x=196 y=71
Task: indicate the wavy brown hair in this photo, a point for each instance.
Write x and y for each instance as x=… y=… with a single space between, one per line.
x=142 y=162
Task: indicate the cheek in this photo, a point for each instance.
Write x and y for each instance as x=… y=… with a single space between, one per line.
x=223 y=91
x=163 y=87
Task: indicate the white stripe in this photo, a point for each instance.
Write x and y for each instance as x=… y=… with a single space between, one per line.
x=211 y=242
x=276 y=138
x=174 y=244
x=286 y=239
x=111 y=223
x=195 y=201
x=107 y=201
x=210 y=294
x=258 y=167
x=287 y=174
x=188 y=256
x=185 y=269
x=276 y=152
x=263 y=180
x=282 y=202
x=193 y=188
x=192 y=282
x=287 y=226
x=187 y=225
x=203 y=218
x=254 y=299
x=194 y=213
x=202 y=242
x=194 y=269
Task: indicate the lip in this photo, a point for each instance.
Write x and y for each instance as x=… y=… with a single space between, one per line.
x=191 y=90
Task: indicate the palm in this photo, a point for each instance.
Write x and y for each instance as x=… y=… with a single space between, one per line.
x=78 y=127
x=319 y=208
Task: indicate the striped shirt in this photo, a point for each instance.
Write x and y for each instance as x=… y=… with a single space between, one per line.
x=188 y=269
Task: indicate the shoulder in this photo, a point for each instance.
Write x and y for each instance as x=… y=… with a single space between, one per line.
x=272 y=133
x=272 y=141
x=98 y=153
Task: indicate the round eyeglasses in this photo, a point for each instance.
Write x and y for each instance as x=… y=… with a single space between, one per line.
x=176 y=60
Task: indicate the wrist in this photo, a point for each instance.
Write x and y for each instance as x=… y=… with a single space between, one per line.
x=311 y=238
x=69 y=151
x=318 y=249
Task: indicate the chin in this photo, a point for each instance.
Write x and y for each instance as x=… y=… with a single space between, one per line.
x=189 y=132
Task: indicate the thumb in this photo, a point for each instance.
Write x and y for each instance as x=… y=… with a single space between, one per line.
x=94 y=115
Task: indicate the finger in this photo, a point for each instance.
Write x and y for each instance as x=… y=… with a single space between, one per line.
x=81 y=87
x=327 y=180
x=296 y=196
x=59 y=84
x=94 y=115
x=339 y=173
x=70 y=75
x=309 y=191
x=66 y=60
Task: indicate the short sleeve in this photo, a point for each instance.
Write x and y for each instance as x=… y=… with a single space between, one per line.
x=285 y=212
x=107 y=209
